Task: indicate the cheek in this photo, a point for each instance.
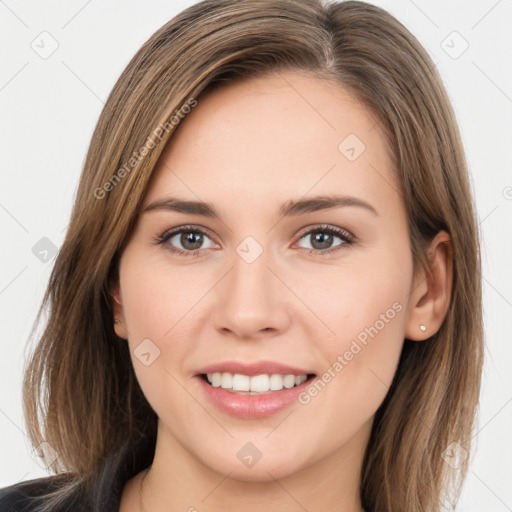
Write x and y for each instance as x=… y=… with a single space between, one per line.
x=366 y=308
x=155 y=304
x=360 y=360
x=160 y=305
x=364 y=304
x=353 y=299
x=156 y=297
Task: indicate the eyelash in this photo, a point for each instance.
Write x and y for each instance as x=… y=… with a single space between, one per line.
x=347 y=238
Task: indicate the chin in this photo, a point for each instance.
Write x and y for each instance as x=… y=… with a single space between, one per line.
x=274 y=465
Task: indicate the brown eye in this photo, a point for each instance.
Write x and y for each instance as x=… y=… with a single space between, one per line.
x=191 y=240
x=322 y=239
x=187 y=241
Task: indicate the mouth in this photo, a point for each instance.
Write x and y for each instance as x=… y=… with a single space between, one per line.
x=263 y=384
x=253 y=389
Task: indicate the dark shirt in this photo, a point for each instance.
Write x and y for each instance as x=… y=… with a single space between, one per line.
x=26 y=496
x=101 y=492
x=20 y=497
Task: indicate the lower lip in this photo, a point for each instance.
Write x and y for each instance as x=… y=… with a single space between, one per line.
x=252 y=406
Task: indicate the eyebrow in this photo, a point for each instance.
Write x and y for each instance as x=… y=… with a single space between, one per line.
x=288 y=209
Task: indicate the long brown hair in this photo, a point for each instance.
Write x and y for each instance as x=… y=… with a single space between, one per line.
x=81 y=395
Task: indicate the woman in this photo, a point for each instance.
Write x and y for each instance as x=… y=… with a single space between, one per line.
x=269 y=294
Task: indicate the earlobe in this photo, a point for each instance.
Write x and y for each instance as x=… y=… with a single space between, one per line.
x=431 y=295
x=117 y=308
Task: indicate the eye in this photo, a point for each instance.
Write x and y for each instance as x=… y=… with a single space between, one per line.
x=186 y=240
x=322 y=238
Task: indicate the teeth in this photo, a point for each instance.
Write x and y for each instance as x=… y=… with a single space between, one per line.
x=240 y=382
x=216 y=380
x=289 y=381
x=276 y=382
x=226 y=380
x=258 y=383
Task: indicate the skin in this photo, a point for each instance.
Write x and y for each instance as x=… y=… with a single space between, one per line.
x=247 y=148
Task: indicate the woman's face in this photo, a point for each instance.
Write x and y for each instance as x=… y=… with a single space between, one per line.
x=276 y=278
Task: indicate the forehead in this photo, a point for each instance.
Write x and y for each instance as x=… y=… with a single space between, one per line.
x=275 y=136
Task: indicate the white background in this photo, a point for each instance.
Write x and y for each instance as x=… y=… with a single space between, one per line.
x=49 y=108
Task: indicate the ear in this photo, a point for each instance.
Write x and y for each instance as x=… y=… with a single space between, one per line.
x=431 y=292
x=117 y=307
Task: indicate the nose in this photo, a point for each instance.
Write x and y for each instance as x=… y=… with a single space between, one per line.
x=251 y=301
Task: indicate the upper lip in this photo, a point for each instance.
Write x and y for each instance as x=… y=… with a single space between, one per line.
x=254 y=368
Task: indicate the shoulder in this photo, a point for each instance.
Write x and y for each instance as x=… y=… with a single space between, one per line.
x=28 y=496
